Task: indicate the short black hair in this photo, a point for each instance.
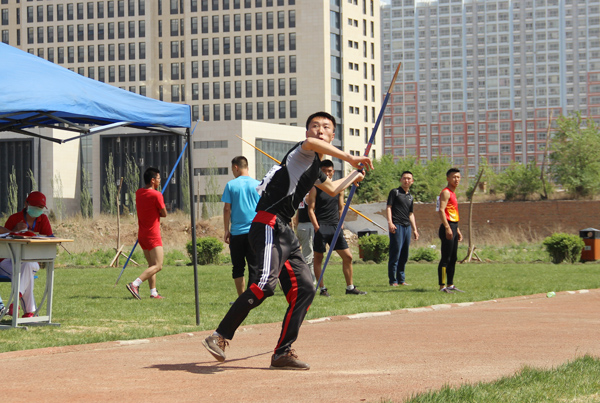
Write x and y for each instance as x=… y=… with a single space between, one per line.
x=240 y=161
x=149 y=174
x=323 y=115
x=407 y=172
x=451 y=171
x=326 y=163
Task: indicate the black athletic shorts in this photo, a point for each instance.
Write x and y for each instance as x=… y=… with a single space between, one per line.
x=324 y=236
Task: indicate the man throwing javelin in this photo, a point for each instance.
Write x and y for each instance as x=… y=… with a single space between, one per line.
x=277 y=249
x=150 y=206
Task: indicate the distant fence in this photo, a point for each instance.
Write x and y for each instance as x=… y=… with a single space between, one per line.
x=539 y=218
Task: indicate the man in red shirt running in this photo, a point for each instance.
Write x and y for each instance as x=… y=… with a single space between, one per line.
x=150 y=207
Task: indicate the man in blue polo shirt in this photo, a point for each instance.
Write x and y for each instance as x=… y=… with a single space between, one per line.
x=240 y=198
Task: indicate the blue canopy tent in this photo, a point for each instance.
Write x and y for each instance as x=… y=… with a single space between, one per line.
x=37 y=93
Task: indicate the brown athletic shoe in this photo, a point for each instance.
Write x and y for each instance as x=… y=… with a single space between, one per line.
x=288 y=360
x=216 y=346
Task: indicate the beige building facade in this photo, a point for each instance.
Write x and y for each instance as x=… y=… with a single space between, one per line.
x=242 y=61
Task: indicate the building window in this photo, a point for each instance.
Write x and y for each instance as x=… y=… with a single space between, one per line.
x=292 y=86
x=238 y=111
x=259 y=88
x=248 y=43
x=270 y=110
x=281 y=109
x=248 y=89
x=248 y=66
x=237 y=67
x=216 y=68
x=270 y=65
x=270 y=88
x=260 y=110
x=258 y=21
x=293 y=109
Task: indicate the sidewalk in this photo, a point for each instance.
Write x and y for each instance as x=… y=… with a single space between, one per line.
x=364 y=358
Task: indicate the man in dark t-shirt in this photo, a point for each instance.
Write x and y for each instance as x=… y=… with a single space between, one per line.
x=324 y=212
x=276 y=247
x=401 y=220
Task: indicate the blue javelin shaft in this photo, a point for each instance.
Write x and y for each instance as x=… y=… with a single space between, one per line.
x=162 y=192
x=353 y=189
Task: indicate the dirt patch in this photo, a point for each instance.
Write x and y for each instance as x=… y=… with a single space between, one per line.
x=353 y=359
x=101 y=233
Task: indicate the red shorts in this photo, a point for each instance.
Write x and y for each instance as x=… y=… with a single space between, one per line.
x=150 y=243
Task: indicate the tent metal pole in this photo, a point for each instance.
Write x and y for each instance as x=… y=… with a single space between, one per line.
x=193 y=225
x=25 y=132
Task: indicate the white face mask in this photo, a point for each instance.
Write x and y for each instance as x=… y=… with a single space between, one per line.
x=35 y=212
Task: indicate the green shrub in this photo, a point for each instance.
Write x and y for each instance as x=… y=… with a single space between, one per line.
x=562 y=246
x=208 y=249
x=375 y=247
x=427 y=254
x=173 y=256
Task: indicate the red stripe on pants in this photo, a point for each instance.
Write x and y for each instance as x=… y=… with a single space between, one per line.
x=291 y=297
x=257 y=291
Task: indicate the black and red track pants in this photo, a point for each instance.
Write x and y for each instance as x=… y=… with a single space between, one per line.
x=279 y=259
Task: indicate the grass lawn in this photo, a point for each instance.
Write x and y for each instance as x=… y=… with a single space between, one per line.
x=576 y=382
x=90 y=309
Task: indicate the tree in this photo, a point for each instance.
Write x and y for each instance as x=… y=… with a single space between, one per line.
x=435 y=178
x=378 y=182
x=13 y=192
x=57 y=195
x=132 y=182
x=211 y=189
x=430 y=178
x=575 y=159
x=520 y=181
x=185 y=186
x=470 y=194
x=85 y=200
x=109 y=190
x=32 y=179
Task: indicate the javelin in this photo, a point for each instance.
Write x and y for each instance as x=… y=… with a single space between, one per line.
x=353 y=189
x=162 y=192
x=279 y=162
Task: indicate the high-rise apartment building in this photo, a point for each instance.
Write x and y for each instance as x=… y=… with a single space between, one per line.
x=272 y=61
x=480 y=78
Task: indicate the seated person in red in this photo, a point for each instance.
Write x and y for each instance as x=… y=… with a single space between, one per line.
x=31 y=218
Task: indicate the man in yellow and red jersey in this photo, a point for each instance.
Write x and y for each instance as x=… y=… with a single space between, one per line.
x=449 y=233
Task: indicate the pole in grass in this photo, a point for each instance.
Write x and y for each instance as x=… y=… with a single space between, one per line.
x=162 y=192
x=353 y=188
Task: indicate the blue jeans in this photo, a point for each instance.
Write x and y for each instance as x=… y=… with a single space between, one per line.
x=399 y=243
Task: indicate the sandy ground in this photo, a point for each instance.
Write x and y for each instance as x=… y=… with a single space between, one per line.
x=367 y=357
